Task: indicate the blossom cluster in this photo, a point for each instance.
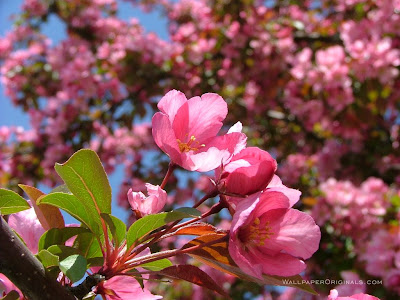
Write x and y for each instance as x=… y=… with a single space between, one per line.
x=368 y=214
x=266 y=235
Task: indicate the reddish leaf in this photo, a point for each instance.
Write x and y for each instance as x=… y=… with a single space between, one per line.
x=194 y=275
x=49 y=216
x=218 y=251
x=198 y=229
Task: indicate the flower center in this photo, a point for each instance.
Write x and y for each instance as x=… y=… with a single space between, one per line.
x=191 y=145
x=255 y=234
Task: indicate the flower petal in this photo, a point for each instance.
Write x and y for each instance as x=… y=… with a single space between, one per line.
x=27 y=225
x=243 y=211
x=127 y=288
x=295 y=232
x=241 y=258
x=171 y=102
x=270 y=200
x=281 y=264
x=165 y=138
x=200 y=117
x=237 y=127
x=277 y=185
x=219 y=150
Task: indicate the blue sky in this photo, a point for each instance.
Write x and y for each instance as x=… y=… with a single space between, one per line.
x=14 y=116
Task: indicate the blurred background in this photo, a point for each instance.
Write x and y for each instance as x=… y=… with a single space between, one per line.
x=315 y=83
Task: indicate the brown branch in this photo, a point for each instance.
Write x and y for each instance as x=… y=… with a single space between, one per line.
x=25 y=271
x=315 y=37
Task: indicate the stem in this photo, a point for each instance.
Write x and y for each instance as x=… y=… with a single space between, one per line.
x=107 y=253
x=211 y=194
x=128 y=255
x=171 y=168
x=165 y=254
x=86 y=286
x=156 y=236
x=19 y=265
x=213 y=210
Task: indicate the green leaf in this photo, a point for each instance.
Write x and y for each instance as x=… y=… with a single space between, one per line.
x=61 y=189
x=75 y=207
x=11 y=202
x=74 y=267
x=117 y=228
x=47 y=258
x=62 y=251
x=58 y=236
x=157 y=265
x=88 y=245
x=85 y=177
x=95 y=262
x=184 y=212
x=149 y=223
x=395 y=200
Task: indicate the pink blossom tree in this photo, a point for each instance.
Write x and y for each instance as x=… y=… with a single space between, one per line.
x=316 y=83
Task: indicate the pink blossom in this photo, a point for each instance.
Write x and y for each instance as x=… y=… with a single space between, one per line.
x=353 y=285
x=124 y=288
x=392 y=280
x=267 y=236
x=247 y=172
x=275 y=185
x=186 y=130
x=152 y=204
x=334 y=295
x=294 y=167
x=27 y=225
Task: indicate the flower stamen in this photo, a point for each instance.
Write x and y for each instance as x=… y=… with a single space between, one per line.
x=256 y=234
x=188 y=146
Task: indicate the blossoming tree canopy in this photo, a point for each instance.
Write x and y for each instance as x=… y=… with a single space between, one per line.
x=267 y=243
x=316 y=83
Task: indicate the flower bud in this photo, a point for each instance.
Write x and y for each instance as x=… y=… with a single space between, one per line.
x=152 y=204
x=248 y=172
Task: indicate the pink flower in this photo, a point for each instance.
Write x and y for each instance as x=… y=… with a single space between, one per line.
x=334 y=295
x=392 y=280
x=268 y=236
x=356 y=285
x=148 y=205
x=248 y=172
x=187 y=131
x=27 y=225
x=275 y=185
x=124 y=288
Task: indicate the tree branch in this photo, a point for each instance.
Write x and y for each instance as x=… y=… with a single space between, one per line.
x=314 y=37
x=25 y=271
